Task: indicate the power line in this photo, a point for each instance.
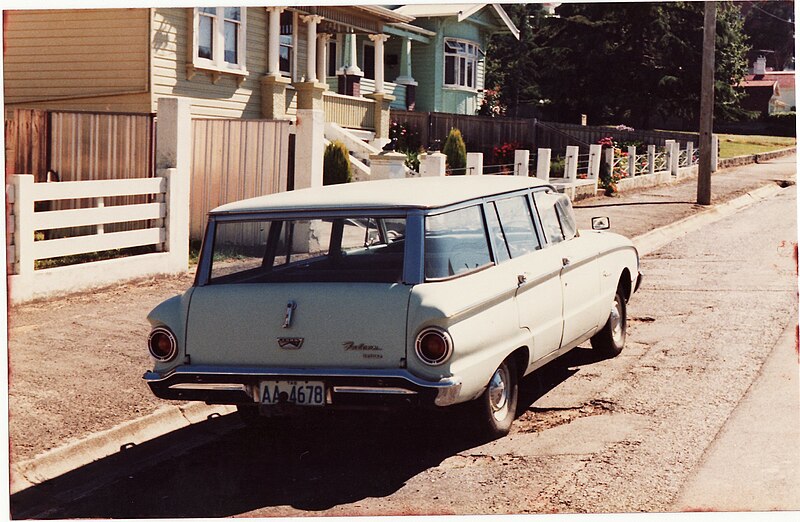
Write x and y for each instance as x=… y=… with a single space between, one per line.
x=753 y=4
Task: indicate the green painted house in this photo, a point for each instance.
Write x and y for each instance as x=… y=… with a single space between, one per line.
x=446 y=68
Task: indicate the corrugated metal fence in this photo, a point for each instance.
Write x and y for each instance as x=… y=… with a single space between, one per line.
x=81 y=146
x=236 y=159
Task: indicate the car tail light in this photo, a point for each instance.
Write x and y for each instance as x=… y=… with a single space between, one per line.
x=434 y=346
x=162 y=344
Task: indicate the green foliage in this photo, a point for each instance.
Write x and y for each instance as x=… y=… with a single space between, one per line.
x=623 y=62
x=412 y=159
x=456 y=152
x=557 y=167
x=782 y=123
x=336 y=164
x=769 y=27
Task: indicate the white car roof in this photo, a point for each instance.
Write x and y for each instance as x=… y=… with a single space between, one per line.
x=422 y=193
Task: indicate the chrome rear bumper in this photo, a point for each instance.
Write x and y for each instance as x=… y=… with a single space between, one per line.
x=344 y=388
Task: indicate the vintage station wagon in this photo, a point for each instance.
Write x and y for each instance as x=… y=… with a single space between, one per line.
x=424 y=292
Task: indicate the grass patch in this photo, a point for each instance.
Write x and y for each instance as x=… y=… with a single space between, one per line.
x=54 y=262
x=732 y=145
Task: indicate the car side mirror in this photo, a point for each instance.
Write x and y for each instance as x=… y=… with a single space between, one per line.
x=601 y=223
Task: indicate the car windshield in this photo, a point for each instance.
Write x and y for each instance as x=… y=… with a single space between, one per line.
x=340 y=249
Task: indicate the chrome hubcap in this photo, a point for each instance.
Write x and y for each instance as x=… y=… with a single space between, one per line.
x=616 y=322
x=498 y=393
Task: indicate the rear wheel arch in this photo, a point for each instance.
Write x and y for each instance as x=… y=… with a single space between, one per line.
x=522 y=358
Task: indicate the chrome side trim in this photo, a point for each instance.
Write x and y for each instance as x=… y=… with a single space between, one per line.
x=370 y=390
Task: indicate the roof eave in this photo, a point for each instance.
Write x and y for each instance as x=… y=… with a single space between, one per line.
x=387 y=15
x=506 y=20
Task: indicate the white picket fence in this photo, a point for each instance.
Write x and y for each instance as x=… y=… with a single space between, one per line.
x=168 y=225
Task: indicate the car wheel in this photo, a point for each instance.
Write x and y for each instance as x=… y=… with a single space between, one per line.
x=610 y=340
x=497 y=407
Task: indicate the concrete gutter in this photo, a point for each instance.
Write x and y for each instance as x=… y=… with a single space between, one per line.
x=651 y=241
x=59 y=461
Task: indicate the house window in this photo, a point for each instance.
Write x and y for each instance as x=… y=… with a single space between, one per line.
x=233 y=30
x=287 y=43
x=461 y=63
x=219 y=41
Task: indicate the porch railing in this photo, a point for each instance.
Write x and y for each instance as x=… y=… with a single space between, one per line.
x=349 y=111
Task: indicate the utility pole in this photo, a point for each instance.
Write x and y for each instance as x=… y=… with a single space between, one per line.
x=707 y=104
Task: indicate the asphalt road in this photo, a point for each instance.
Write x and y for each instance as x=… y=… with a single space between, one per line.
x=618 y=435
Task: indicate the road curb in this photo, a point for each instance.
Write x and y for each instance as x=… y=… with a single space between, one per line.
x=61 y=460
x=649 y=242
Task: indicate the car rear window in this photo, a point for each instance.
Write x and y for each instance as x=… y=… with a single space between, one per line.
x=455 y=243
x=340 y=249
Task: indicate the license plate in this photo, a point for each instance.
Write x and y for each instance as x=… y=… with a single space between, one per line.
x=305 y=393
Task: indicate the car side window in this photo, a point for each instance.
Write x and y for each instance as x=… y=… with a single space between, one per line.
x=517 y=222
x=496 y=232
x=455 y=243
x=546 y=206
x=566 y=216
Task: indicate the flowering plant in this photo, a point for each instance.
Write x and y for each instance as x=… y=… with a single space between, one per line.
x=406 y=138
x=491 y=104
x=505 y=153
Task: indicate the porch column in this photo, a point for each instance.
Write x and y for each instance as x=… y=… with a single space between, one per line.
x=322 y=56
x=350 y=74
x=405 y=77
x=350 y=57
x=381 y=97
x=311 y=47
x=379 y=39
x=273 y=47
x=273 y=85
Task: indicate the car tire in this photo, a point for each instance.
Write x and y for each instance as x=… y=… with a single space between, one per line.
x=610 y=340
x=496 y=408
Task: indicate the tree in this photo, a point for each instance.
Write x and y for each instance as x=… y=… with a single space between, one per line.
x=510 y=61
x=770 y=28
x=620 y=63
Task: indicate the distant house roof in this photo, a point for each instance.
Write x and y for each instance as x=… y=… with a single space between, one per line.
x=758 y=83
x=462 y=11
x=758 y=94
x=784 y=79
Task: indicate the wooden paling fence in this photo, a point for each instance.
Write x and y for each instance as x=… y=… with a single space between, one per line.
x=483 y=133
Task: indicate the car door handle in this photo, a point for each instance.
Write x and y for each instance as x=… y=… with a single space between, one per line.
x=565 y=261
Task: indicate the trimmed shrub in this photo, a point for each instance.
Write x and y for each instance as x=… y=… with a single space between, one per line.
x=456 y=152
x=782 y=124
x=336 y=167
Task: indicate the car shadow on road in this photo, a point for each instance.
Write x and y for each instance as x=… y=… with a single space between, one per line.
x=309 y=464
x=545 y=379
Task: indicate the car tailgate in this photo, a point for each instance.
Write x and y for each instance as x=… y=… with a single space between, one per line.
x=329 y=325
